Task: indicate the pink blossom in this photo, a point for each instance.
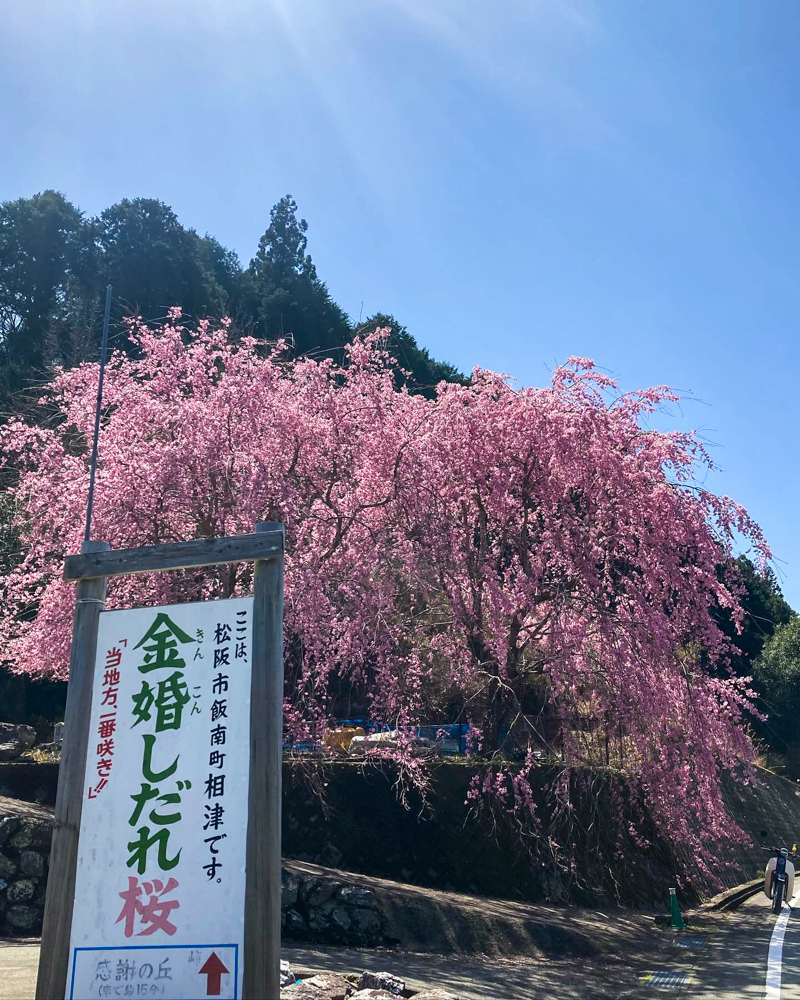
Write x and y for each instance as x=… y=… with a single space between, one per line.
x=456 y=550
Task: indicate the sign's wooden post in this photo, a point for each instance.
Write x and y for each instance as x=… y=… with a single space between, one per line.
x=54 y=955
x=262 y=923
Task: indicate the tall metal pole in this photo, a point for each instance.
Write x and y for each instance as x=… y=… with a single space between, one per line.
x=103 y=349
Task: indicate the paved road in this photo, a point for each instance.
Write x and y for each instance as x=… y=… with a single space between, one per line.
x=18 y=964
x=734 y=965
x=728 y=958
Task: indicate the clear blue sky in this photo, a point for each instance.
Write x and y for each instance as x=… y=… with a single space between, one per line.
x=517 y=180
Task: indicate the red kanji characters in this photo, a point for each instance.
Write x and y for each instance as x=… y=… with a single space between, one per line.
x=107 y=724
x=107 y=727
x=155 y=912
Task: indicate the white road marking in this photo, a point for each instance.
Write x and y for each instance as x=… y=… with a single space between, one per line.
x=775 y=958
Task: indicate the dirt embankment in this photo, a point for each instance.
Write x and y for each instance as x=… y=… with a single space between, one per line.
x=428 y=920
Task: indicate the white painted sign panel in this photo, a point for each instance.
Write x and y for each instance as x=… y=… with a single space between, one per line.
x=159 y=899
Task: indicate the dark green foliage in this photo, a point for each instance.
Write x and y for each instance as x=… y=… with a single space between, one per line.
x=22 y=699
x=286 y=296
x=45 y=261
x=30 y=702
x=9 y=536
x=761 y=650
x=776 y=674
x=154 y=263
x=55 y=264
x=765 y=609
x=224 y=266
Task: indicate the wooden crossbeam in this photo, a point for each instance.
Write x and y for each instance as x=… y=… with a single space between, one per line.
x=175 y=555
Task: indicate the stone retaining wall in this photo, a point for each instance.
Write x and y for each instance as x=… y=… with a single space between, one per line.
x=362 y=828
x=313 y=908
x=25 y=833
x=329 y=911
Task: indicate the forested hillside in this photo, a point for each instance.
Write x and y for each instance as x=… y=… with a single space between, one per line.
x=55 y=263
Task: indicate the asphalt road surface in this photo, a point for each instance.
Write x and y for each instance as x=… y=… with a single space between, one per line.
x=738 y=958
x=735 y=956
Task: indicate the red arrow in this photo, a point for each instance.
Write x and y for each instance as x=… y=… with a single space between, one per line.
x=214 y=969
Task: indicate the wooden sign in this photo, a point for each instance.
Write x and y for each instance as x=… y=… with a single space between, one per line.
x=165 y=866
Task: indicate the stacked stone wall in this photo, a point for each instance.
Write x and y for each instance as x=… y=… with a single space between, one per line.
x=25 y=834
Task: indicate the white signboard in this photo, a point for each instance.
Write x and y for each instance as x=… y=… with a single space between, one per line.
x=159 y=899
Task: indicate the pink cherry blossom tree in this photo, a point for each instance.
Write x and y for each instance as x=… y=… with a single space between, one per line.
x=536 y=562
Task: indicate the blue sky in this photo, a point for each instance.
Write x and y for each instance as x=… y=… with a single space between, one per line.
x=517 y=181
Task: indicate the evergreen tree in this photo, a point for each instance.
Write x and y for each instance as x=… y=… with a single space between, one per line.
x=765 y=608
x=224 y=266
x=777 y=676
x=286 y=295
x=55 y=264
x=766 y=613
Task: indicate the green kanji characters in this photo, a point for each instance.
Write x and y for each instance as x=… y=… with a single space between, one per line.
x=147 y=793
x=168 y=698
x=160 y=644
x=142 y=845
x=160 y=702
